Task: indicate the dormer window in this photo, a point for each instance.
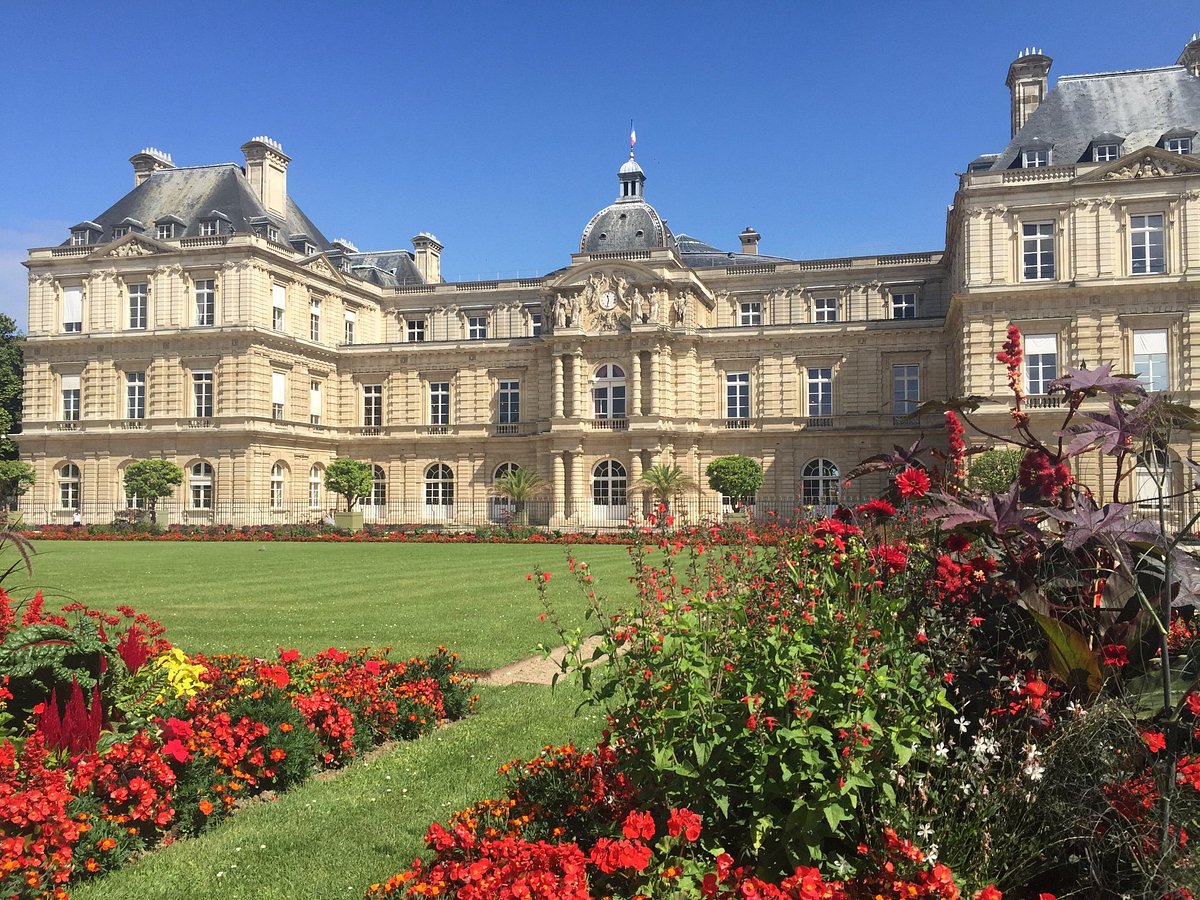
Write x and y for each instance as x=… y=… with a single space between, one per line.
x=165 y=231
x=1035 y=158
x=79 y=237
x=208 y=228
x=85 y=233
x=1104 y=152
x=1181 y=145
x=119 y=231
x=272 y=233
x=310 y=250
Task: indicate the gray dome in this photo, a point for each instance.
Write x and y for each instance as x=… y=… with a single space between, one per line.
x=629 y=224
x=626 y=225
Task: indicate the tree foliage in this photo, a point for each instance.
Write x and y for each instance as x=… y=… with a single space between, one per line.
x=994 y=471
x=151 y=480
x=520 y=485
x=12 y=367
x=664 y=482
x=16 y=477
x=736 y=477
x=350 y=479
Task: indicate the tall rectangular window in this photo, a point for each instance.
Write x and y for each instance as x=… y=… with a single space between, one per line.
x=535 y=324
x=202 y=394
x=278 y=394
x=1037 y=250
x=416 y=330
x=372 y=405
x=314 y=402
x=206 y=302
x=135 y=395
x=314 y=320
x=820 y=392
x=750 y=314
x=278 y=306
x=904 y=306
x=1146 y=245
x=137 y=305
x=72 y=309
x=1150 y=359
x=737 y=395
x=509 y=402
x=439 y=403
x=825 y=309
x=906 y=389
x=70 y=398
x=1041 y=363
x=477 y=328
x=350 y=321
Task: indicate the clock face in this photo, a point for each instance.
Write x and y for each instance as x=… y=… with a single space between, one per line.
x=608 y=300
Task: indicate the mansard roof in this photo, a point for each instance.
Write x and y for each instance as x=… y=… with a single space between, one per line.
x=700 y=255
x=193 y=193
x=387 y=268
x=1140 y=106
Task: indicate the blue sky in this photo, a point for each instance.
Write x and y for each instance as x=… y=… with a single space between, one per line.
x=832 y=129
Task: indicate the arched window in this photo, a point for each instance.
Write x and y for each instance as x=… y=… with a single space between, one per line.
x=820 y=483
x=503 y=469
x=608 y=392
x=439 y=485
x=68 y=486
x=316 y=487
x=609 y=484
x=378 y=487
x=200 y=483
x=277 y=480
x=1152 y=479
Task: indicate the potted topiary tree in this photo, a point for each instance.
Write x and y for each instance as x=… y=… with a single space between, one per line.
x=150 y=480
x=16 y=477
x=351 y=480
x=735 y=477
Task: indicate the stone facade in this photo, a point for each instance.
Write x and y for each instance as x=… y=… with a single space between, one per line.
x=252 y=354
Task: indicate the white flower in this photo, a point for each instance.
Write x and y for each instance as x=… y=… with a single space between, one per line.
x=941 y=751
x=962 y=724
x=925 y=831
x=932 y=853
x=1033 y=768
x=986 y=747
x=1017 y=684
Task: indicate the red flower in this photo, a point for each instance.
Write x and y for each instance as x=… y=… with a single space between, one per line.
x=1154 y=740
x=1116 y=655
x=545 y=577
x=912 y=483
x=206 y=807
x=989 y=893
x=686 y=821
x=638 y=825
x=289 y=656
x=175 y=749
x=880 y=509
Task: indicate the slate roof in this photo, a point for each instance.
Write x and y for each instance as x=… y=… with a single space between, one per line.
x=1140 y=106
x=629 y=224
x=699 y=255
x=193 y=193
x=388 y=268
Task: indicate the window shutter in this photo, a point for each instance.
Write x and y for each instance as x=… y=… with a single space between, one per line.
x=73 y=304
x=1040 y=343
x=278 y=387
x=1147 y=342
x=279 y=296
x=70 y=382
x=314 y=400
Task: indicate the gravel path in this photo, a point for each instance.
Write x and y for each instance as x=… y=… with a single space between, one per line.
x=535 y=669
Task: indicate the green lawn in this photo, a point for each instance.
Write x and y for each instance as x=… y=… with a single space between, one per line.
x=330 y=839
x=253 y=598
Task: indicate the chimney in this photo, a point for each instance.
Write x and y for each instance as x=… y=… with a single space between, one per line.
x=1027 y=83
x=266 y=170
x=749 y=239
x=429 y=257
x=1190 y=56
x=149 y=161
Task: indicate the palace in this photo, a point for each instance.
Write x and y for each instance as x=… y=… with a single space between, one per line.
x=204 y=318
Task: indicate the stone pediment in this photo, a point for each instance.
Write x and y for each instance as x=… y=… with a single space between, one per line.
x=613 y=298
x=131 y=245
x=321 y=265
x=1149 y=162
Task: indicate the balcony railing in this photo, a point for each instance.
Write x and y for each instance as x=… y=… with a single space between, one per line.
x=133 y=425
x=68 y=426
x=437 y=429
x=370 y=431
x=610 y=424
x=818 y=422
x=201 y=423
x=1044 y=401
x=737 y=423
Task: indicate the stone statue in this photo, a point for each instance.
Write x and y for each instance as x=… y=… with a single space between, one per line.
x=680 y=308
x=638 y=306
x=655 y=301
x=576 y=312
x=560 y=313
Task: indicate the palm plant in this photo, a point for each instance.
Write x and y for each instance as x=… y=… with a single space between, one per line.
x=519 y=486
x=665 y=483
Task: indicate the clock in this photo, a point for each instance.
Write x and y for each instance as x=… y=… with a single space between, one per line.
x=608 y=300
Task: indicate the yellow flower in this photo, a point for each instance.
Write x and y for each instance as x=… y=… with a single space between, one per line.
x=182 y=675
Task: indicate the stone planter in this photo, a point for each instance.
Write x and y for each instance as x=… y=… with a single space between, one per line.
x=350 y=521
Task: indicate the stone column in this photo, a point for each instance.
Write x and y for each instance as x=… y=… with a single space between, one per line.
x=577 y=487
x=655 y=372
x=637 y=501
x=581 y=388
x=558 y=387
x=635 y=389
x=558 y=513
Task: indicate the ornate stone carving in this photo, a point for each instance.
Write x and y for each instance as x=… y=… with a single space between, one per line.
x=133 y=248
x=1149 y=166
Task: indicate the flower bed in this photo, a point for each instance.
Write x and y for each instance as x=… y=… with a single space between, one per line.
x=112 y=741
